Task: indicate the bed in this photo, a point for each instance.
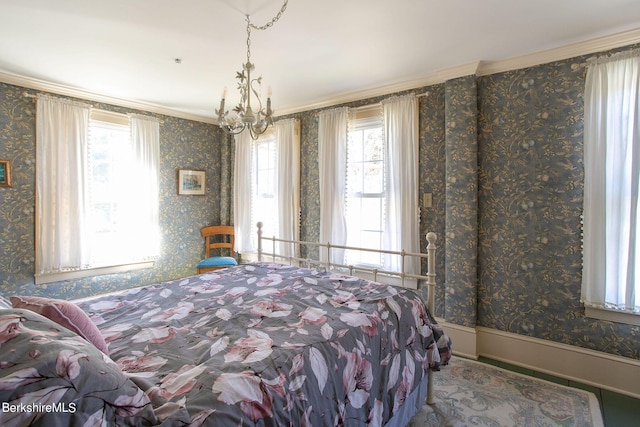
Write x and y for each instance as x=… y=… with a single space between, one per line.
x=263 y=343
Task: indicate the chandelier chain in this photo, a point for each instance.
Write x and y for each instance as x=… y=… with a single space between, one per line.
x=262 y=27
x=274 y=20
x=248 y=40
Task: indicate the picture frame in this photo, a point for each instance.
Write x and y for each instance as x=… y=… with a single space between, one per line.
x=5 y=173
x=191 y=182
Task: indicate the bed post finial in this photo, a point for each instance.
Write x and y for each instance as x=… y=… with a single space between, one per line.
x=432 y=237
x=259 y=225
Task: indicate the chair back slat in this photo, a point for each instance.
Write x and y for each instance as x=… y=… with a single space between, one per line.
x=211 y=235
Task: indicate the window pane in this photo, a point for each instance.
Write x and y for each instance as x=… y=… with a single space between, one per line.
x=373 y=146
x=371 y=214
x=264 y=191
x=373 y=177
x=366 y=198
x=355 y=147
x=355 y=178
x=110 y=193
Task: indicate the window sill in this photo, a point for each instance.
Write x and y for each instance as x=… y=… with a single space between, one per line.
x=612 y=316
x=89 y=272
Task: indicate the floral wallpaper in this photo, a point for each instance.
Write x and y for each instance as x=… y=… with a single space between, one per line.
x=184 y=144
x=432 y=177
x=461 y=189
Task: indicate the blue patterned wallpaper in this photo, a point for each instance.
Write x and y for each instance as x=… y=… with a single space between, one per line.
x=461 y=193
x=184 y=144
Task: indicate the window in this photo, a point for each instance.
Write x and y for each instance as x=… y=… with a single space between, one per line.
x=263 y=186
x=117 y=228
x=365 y=191
x=368 y=166
x=98 y=195
x=267 y=187
x=611 y=262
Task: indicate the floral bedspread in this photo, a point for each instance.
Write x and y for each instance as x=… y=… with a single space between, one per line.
x=52 y=377
x=269 y=344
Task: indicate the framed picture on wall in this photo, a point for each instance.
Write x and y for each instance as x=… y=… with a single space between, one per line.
x=191 y=182
x=5 y=173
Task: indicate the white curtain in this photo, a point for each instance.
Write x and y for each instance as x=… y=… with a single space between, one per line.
x=61 y=188
x=332 y=163
x=288 y=183
x=400 y=115
x=144 y=233
x=242 y=192
x=612 y=177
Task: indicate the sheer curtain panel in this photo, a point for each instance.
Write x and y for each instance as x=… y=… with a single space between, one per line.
x=242 y=192
x=288 y=182
x=61 y=188
x=402 y=232
x=144 y=233
x=332 y=162
x=611 y=273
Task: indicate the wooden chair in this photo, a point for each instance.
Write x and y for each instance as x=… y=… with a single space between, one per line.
x=215 y=237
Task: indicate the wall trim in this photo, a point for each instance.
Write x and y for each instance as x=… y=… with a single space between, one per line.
x=598 y=369
x=464 y=338
x=480 y=68
x=41 y=85
x=573 y=50
x=483 y=68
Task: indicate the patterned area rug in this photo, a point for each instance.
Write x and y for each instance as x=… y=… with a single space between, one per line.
x=469 y=393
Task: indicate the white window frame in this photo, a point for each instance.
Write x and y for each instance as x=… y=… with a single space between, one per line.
x=270 y=225
x=362 y=120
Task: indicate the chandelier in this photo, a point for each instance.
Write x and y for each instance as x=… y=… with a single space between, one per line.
x=255 y=119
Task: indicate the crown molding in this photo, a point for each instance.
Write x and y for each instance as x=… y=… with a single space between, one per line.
x=429 y=80
x=479 y=68
x=41 y=85
x=573 y=50
x=484 y=68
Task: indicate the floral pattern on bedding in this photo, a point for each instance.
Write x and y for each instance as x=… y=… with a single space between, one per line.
x=50 y=376
x=269 y=344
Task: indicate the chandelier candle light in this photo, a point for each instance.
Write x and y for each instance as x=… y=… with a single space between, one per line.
x=245 y=117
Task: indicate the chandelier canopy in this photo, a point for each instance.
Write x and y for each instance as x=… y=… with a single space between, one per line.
x=258 y=118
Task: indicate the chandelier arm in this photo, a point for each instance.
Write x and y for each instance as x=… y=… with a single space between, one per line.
x=255 y=92
x=233 y=130
x=256 y=130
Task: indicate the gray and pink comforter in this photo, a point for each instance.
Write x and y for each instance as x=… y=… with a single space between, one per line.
x=257 y=344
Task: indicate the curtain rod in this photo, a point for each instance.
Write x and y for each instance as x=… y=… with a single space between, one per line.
x=28 y=95
x=375 y=104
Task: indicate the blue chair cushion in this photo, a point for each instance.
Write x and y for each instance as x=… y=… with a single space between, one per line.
x=217 y=261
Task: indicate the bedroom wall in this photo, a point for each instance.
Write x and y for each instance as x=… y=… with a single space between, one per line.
x=527 y=131
x=525 y=253
x=184 y=144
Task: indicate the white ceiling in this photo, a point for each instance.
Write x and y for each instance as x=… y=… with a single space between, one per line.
x=319 y=51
